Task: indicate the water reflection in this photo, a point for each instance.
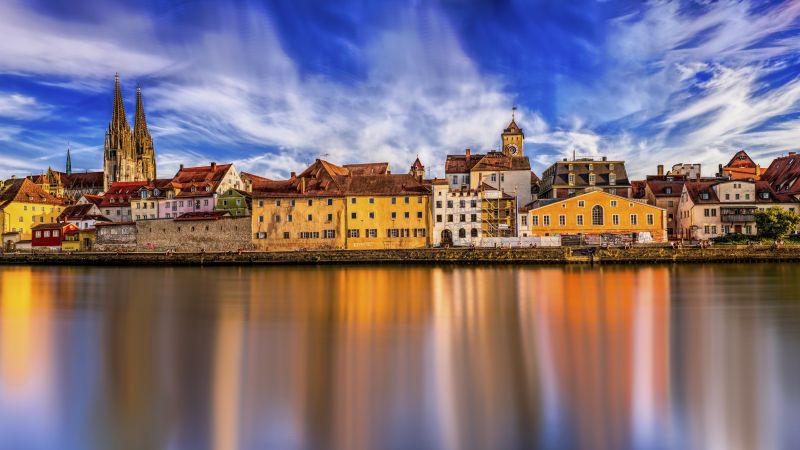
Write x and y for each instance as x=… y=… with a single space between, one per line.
x=399 y=357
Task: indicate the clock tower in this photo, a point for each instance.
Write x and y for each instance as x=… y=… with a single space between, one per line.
x=513 y=138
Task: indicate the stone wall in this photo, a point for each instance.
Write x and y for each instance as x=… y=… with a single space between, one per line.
x=225 y=234
x=115 y=238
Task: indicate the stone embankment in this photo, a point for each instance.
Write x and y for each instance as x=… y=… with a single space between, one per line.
x=560 y=255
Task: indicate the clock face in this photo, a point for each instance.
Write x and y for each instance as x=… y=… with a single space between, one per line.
x=512 y=149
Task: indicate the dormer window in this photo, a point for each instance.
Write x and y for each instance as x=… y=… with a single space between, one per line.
x=704 y=195
x=112 y=200
x=572 y=179
x=612 y=179
x=591 y=166
x=591 y=179
x=156 y=192
x=208 y=188
x=194 y=188
x=765 y=195
x=668 y=190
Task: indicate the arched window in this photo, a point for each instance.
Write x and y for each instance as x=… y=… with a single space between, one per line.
x=597 y=215
x=462 y=233
x=474 y=232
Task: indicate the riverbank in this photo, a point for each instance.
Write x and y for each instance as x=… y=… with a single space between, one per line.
x=559 y=255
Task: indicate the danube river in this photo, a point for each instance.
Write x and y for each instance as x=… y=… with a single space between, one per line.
x=400 y=357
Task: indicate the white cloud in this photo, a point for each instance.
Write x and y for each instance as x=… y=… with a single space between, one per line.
x=21 y=107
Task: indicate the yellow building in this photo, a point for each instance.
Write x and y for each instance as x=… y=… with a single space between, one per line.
x=594 y=213
x=78 y=240
x=23 y=204
x=387 y=211
x=341 y=207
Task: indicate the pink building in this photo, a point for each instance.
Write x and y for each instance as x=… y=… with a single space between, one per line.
x=195 y=189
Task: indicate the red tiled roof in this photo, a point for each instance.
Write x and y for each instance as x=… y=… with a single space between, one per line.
x=381 y=168
x=25 y=190
x=741 y=160
x=460 y=163
x=75 y=212
x=95 y=199
x=121 y=192
x=199 y=178
x=659 y=187
x=417 y=164
x=109 y=224
x=52 y=226
x=534 y=178
x=783 y=173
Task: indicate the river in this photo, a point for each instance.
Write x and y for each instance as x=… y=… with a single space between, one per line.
x=400 y=357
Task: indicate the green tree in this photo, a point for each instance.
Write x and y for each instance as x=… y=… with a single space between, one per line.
x=776 y=223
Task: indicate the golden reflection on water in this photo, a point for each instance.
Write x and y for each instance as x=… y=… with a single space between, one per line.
x=398 y=357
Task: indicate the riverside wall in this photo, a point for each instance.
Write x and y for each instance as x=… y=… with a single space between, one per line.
x=559 y=255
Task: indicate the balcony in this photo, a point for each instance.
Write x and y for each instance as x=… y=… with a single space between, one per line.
x=732 y=215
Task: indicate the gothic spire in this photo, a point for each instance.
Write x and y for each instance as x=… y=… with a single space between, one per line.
x=118 y=117
x=140 y=123
x=69 y=162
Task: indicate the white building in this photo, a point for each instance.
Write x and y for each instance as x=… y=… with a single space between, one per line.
x=456 y=215
x=709 y=209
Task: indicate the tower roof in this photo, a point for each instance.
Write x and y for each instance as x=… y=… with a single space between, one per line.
x=118 y=116
x=417 y=164
x=140 y=122
x=512 y=128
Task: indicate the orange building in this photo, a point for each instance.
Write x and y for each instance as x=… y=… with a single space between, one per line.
x=594 y=213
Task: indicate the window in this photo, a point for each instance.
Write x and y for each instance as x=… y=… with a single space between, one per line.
x=546 y=221
x=449 y=203
x=765 y=195
x=372 y=215
x=439 y=218
x=591 y=179
x=371 y=200
x=612 y=179
x=419 y=200
x=288 y=217
x=407 y=200
x=615 y=219
x=737 y=196
x=310 y=202
x=449 y=217
x=649 y=219
x=713 y=229
x=291 y=202
x=47 y=233
x=392 y=232
x=462 y=203
x=597 y=215
x=727 y=196
x=668 y=190
x=330 y=218
x=455 y=179
x=494 y=177
x=707 y=229
x=462 y=218
x=438 y=203
x=581 y=203
x=523 y=219
x=353 y=215
x=394 y=215
x=473 y=232
x=38 y=234
x=286 y=235
x=406 y=215
x=747 y=196
x=462 y=233
x=571 y=179
x=277 y=218
x=613 y=203
x=352 y=233
x=394 y=200
x=419 y=214
x=713 y=212
x=535 y=220
x=330 y=202
x=706 y=212
x=579 y=219
x=353 y=200
x=372 y=233
x=634 y=219
x=473 y=204
x=310 y=217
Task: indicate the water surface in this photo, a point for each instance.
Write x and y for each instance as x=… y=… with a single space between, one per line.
x=400 y=357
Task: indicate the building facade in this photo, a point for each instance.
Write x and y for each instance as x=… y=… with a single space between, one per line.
x=23 y=204
x=116 y=203
x=741 y=167
x=596 y=213
x=48 y=236
x=128 y=155
x=714 y=208
x=195 y=189
x=195 y=232
x=235 y=201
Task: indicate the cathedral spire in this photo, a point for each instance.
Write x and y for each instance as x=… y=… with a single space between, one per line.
x=69 y=162
x=118 y=117
x=140 y=122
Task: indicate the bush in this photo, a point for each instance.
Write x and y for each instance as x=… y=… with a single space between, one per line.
x=734 y=239
x=776 y=223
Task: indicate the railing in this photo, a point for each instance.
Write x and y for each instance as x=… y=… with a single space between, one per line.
x=738 y=218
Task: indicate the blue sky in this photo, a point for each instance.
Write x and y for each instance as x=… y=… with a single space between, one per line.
x=273 y=85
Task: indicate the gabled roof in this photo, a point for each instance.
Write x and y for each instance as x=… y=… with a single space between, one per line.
x=461 y=163
x=557 y=175
x=26 y=191
x=661 y=187
x=76 y=212
x=695 y=188
x=255 y=180
x=417 y=164
x=512 y=128
x=401 y=184
x=121 y=192
x=199 y=178
x=741 y=160
x=95 y=199
x=53 y=226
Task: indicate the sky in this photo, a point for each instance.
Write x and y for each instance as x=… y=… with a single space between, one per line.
x=273 y=85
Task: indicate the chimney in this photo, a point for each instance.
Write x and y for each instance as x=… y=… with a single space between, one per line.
x=181 y=167
x=13 y=177
x=293 y=175
x=213 y=165
x=660 y=170
x=605 y=158
x=468 y=152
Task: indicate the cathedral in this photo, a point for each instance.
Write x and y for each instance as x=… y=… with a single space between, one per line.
x=128 y=154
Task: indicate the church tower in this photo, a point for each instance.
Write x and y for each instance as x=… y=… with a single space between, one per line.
x=128 y=154
x=513 y=138
x=143 y=143
x=68 y=167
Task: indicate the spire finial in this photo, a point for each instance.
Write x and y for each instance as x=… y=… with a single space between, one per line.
x=513 y=112
x=118 y=117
